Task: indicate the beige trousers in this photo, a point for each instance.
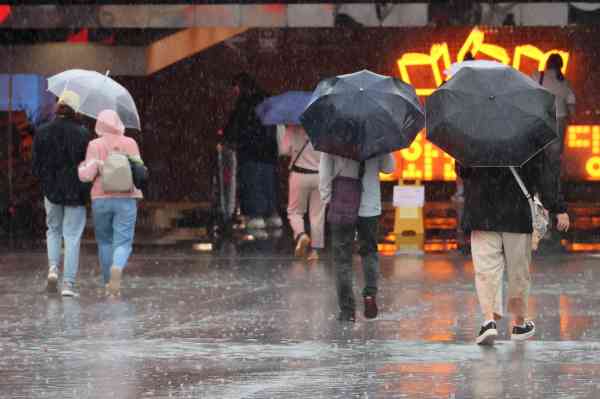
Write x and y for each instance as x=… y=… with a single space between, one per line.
x=492 y=253
x=303 y=194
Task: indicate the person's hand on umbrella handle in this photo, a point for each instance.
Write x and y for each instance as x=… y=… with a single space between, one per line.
x=562 y=222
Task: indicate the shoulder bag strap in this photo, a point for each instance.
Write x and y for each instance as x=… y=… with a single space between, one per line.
x=542 y=78
x=298 y=155
x=521 y=184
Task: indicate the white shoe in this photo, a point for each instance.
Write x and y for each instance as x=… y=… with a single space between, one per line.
x=256 y=223
x=68 y=289
x=53 y=279
x=521 y=333
x=274 y=221
x=487 y=334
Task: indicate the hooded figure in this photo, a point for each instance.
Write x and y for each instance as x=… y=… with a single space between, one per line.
x=114 y=214
x=58 y=147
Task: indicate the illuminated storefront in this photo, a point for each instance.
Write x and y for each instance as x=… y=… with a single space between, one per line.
x=425 y=70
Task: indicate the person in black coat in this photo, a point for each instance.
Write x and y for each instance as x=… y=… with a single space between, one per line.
x=256 y=147
x=499 y=217
x=58 y=149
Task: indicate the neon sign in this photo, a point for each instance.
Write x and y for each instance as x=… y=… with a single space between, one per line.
x=423 y=160
x=474 y=44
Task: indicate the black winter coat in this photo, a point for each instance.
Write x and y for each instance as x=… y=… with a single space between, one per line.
x=494 y=201
x=245 y=132
x=58 y=149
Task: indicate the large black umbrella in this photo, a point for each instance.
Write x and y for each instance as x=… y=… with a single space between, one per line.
x=363 y=114
x=491 y=115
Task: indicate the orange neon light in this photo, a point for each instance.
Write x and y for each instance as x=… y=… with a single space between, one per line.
x=475 y=44
x=424 y=161
x=527 y=50
x=584 y=142
x=437 y=53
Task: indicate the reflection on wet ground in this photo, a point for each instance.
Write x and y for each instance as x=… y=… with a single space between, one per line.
x=263 y=326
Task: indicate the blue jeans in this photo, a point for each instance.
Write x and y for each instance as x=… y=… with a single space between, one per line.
x=114 y=224
x=258 y=189
x=64 y=222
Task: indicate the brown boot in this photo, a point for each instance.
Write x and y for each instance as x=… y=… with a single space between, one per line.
x=302 y=243
x=113 y=287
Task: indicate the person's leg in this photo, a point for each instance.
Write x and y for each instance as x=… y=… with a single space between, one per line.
x=54 y=218
x=297 y=204
x=54 y=222
x=103 y=220
x=123 y=233
x=368 y=228
x=489 y=262
x=73 y=226
x=316 y=214
x=342 y=243
x=270 y=179
x=518 y=258
x=252 y=201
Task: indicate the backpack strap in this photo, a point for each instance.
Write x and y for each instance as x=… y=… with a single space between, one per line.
x=542 y=78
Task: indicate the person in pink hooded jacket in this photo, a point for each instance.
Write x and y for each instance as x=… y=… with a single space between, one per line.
x=114 y=214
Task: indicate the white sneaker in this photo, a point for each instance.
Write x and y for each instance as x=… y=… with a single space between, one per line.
x=68 y=289
x=256 y=223
x=53 y=279
x=487 y=334
x=274 y=221
x=521 y=333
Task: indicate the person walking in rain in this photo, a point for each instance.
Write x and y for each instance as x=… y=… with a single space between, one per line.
x=58 y=148
x=303 y=190
x=499 y=217
x=114 y=213
x=256 y=147
x=367 y=226
x=553 y=80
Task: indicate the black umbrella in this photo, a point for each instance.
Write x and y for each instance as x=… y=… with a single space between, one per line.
x=362 y=115
x=491 y=116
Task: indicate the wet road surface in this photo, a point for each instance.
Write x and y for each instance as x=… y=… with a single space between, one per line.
x=194 y=325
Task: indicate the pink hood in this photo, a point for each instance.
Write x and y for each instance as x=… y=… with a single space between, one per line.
x=108 y=122
x=112 y=136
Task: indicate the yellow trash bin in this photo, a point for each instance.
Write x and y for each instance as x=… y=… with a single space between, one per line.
x=408 y=219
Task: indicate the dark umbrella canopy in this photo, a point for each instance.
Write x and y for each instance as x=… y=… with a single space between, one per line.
x=491 y=117
x=362 y=115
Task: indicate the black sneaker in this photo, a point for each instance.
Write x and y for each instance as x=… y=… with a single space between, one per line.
x=521 y=333
x=487 y=334
x=346 y=315
x=370 y=307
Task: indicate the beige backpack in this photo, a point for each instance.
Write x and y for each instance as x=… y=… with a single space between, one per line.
x=116 y=173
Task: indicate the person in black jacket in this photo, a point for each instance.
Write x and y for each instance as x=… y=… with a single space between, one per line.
x=58 y=148
x=499 y=217
x=256 y=147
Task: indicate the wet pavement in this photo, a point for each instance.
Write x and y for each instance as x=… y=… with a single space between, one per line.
x=198 y=325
